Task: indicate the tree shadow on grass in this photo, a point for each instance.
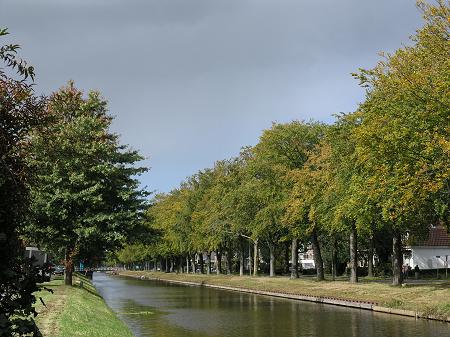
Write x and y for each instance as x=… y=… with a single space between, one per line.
x=434 y=286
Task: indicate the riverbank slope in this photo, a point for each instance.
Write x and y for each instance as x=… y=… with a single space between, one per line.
x=424 y=300
x=77 y=311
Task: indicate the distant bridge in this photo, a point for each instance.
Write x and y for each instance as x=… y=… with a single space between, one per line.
x=102 y=269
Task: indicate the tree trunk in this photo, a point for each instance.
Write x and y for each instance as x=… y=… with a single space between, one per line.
x=294 y=258
x=241 y=257
x=286 y=258
x=333 y=259
x=255 y=258
x=229 y=261
x=202 y=264
x=317 y=256
x=272 y=260
x=397 y=259
x=187 y=264
x=208 y=263
x=68 y=266
x=167 y=265
x=353 y=240
x=370 y=258
x=218 y=262
x=250 y=260
x=194 y=269
x=180 y=264
x=219 y=255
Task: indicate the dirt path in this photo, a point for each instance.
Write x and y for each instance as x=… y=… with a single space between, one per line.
x=49 y=314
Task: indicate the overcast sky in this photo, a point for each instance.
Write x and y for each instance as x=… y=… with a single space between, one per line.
x=192 y=81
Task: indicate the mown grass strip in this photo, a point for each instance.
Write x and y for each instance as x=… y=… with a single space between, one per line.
x=77 y=311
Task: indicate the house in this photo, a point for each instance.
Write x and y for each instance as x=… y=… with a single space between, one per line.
x=306 y=259
x=432 y=253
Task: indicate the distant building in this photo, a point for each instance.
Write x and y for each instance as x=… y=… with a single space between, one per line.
x=306 y=259
x=40 y=257
x=432 y=253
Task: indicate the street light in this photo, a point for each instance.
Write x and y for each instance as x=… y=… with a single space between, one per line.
x=437 y=265
x=446 y=266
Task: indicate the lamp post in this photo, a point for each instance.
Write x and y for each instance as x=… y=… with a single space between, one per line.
x=446 y=266
x=437 y=265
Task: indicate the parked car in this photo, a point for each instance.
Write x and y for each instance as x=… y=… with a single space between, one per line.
x=58 y=270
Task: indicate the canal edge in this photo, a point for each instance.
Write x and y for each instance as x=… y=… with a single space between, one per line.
x=316 y=299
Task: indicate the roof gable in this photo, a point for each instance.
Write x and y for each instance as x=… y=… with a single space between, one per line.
x=437 y=236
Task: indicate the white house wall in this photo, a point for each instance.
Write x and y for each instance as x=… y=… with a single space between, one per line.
x=426 y=258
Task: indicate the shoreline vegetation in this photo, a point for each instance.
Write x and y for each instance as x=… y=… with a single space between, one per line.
x=430 y=301
x=76 y=310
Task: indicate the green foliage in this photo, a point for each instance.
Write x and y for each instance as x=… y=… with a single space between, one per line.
x=8 y=54
x=20 y=113
x=307 y=194
x=171 y=218
x=402 y=142
x=281 y=150
x=85 y=195
x=215 y=215
x=137 y=252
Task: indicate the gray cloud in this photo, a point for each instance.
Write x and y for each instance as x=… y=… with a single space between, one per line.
x=190 y=82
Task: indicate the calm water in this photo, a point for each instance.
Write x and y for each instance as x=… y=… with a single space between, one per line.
x=152 y=308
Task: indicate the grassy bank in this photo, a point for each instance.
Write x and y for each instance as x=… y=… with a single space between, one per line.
x=429 y=299
x=75 y=311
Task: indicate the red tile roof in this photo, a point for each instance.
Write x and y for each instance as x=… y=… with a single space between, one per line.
x=437 y=236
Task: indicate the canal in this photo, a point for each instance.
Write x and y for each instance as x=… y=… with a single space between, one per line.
x=152 y=308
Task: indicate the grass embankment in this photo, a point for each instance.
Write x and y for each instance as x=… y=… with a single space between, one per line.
x=75 y=311
x=427 y=299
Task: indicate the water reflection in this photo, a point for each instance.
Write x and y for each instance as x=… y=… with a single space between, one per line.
x=153 y=308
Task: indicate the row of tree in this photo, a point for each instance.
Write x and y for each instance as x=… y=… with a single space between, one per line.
x=373 y=176
x=66 y=184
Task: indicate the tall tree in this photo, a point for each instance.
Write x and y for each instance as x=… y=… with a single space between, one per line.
x=281 y=149
x=340 y=203
x=403 y=138
x=85 y=187
x=306 y=200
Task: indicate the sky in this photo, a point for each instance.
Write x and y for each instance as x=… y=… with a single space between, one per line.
x=192 y=81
